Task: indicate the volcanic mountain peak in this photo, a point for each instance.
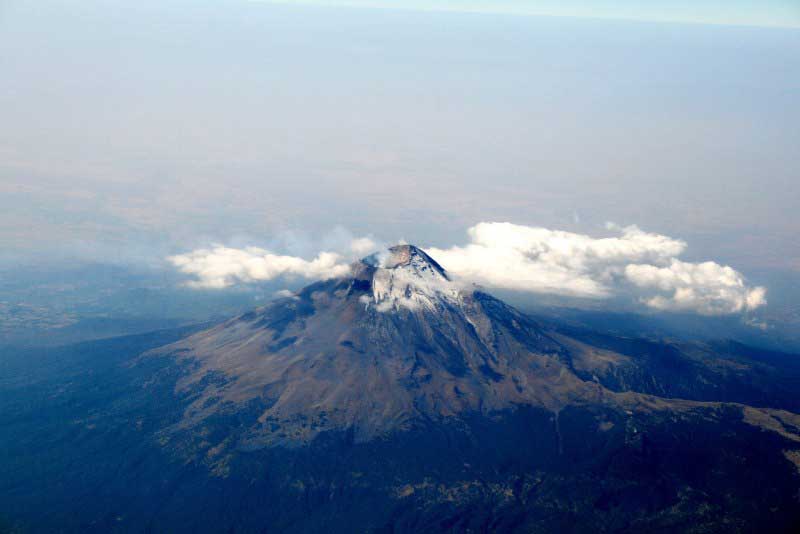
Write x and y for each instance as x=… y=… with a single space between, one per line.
x=409 y=256
x=405 y=276
x=396 y=341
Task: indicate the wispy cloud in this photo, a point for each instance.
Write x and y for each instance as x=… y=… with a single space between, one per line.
x=631 y=261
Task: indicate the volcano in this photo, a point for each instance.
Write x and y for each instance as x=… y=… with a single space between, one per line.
x=397 y=342
x=399 y=399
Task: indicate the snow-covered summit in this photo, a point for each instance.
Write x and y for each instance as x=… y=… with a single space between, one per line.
x=405 y=276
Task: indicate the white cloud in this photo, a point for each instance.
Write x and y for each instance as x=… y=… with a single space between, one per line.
x=523 y=258
x=220 y=266
x=510 y=256
x=362 y=246
x=285 y=294
x=528 y=258
x=708 y=288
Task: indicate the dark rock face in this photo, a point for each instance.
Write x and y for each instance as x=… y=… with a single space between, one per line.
x=397 y=400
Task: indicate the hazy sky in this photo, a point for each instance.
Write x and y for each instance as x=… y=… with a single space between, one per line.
x=779 y=13
x=130 y=131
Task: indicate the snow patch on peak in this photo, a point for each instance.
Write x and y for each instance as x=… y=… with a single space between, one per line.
x=405 y=276
x=412 y=289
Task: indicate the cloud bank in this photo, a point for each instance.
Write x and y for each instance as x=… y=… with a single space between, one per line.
x=511 y=256
x=527 y=258
x=641 y=264
x=707 y=288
